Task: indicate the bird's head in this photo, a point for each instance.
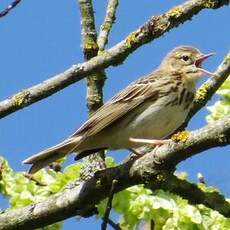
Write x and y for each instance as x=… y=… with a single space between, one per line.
x=187 y=61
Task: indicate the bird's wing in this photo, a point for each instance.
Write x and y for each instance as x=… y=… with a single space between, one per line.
x=121 y=104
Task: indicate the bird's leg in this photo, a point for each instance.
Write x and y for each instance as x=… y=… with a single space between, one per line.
x=149 y=141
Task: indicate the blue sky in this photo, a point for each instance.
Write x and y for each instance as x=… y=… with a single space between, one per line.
x=42 y=38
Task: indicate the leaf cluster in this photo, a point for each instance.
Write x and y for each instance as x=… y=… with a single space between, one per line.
x=220 y=108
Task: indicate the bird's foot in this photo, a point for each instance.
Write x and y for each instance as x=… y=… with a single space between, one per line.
x=149 y=141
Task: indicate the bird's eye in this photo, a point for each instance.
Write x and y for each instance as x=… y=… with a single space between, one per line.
x=185 y=57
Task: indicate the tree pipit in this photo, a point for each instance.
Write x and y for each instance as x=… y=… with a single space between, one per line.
x=146 y=111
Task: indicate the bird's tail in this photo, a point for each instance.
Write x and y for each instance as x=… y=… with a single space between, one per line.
x=45 y=157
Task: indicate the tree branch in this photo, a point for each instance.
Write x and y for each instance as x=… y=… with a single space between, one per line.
x=88 y=32
x=108 y=206
x=9 y=8
x=152 y=29
x=206 y=91
x=107 y=24
x=81 y=197
x=95 y=81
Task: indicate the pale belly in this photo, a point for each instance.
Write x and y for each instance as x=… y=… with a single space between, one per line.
x=157 y=123
x=152 y=122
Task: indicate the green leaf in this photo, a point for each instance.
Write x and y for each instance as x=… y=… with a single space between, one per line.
x=222 y=107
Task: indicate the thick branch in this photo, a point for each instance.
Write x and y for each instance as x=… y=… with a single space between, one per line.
x=95 y=81
x=152 y=29
x=81 y=197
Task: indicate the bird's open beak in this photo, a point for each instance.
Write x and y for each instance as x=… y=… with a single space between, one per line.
x=199 y=62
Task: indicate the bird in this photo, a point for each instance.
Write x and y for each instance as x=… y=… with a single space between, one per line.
x=146 y=111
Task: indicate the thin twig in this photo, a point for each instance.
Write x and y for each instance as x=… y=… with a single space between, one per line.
x=107 y=24
x=113 y=224
x=108 y=206
x=152 y=225
x=152 y=29
x=9 y=8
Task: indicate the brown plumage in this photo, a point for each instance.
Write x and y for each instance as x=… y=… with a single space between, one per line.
x=152 y=107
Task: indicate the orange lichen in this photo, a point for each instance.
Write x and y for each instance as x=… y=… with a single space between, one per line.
x=175 y=12
x=20 y=98
x=180 y=136
x=209 y=4
x=201 y=92
x=130 y=39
